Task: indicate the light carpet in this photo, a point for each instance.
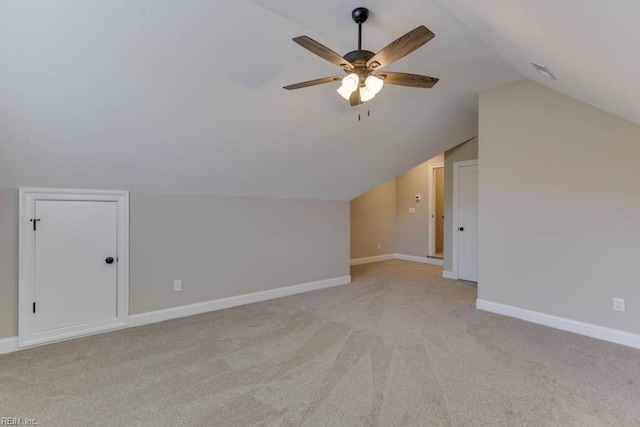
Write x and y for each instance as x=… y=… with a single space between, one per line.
x=399 y=346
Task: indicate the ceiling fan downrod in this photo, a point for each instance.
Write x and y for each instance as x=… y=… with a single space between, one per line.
x=359 y=16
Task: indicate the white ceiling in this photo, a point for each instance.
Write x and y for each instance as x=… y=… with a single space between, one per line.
x=186 y=97
x=591 y=46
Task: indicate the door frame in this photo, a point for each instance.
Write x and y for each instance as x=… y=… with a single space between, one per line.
x=28 y=197
x=454 y=216
x=431 y=193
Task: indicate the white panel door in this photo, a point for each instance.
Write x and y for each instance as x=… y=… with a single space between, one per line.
x=468 y=223
x=73 y=282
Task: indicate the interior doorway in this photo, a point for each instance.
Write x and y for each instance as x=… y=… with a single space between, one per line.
x=436 y=210
x=439 y=212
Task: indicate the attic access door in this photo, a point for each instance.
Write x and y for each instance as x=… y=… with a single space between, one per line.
x=71 y=265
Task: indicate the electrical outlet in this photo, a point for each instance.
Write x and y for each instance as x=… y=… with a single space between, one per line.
x=379 y=245
x=618 y=304
x=177 y=285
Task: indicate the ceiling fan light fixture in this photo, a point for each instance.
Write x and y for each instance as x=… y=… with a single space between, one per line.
x=351 y=82
x=366 y=94
x=374 y=84
x=344 y=92
x=362 y=64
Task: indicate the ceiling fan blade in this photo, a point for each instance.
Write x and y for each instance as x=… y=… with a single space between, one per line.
x=400 y=47
x=313 y=82
x=406 y=79
x=355 y=98
x=323 y=52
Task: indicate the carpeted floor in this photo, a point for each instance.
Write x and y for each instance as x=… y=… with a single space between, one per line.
x=399 y=346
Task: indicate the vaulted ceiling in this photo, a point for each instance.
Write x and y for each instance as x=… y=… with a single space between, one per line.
x=591 y=46
x=186 y=96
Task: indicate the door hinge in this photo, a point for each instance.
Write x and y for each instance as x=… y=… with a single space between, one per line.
x=34 y=221
x=34 y=307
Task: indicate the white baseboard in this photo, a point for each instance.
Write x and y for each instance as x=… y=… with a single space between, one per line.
x=420 y=259
x=369 y=259
x=222 y=303
x=386 y=257
x=594 y=331
x=7 y=345
x=449 y=275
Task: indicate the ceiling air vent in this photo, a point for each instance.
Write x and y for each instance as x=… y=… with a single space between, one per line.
x=543 y=70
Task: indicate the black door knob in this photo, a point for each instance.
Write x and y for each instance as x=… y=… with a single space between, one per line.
x=109 y=260
x=461 y=228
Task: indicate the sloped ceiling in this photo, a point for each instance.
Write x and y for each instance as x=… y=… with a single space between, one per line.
x=591 y=46
x=186 y=97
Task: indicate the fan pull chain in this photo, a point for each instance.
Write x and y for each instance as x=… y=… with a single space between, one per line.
x=368 y=115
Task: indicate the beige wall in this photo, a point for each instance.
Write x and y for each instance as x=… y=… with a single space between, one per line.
x=559 y=224
x=465 y=151
x=412 y=230
x=373 y=221
x=217 y=246
x=225 y=246
x=382 y=215
x=8 y=263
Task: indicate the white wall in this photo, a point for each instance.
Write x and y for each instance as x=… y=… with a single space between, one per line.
x=559 y=206
x=187 y=98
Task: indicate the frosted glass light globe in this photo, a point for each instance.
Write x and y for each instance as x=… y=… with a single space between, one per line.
x=351 y=82
x=374 y=84
x=366 y=94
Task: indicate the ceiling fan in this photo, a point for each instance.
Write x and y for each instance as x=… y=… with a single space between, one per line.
x=363 y=80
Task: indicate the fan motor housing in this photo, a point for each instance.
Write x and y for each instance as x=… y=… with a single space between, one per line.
x=359 y=57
